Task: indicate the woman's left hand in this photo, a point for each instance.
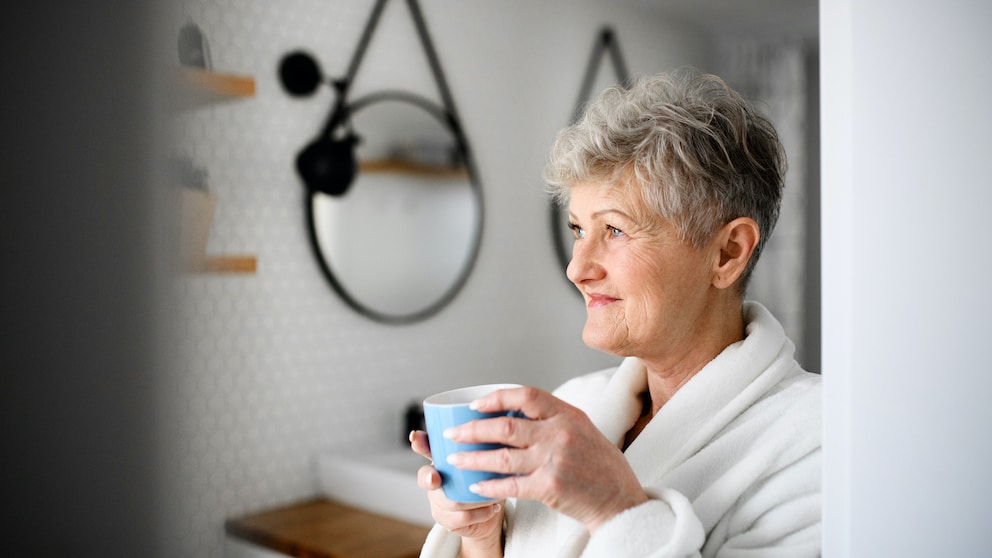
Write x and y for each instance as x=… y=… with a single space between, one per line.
x=558 y=457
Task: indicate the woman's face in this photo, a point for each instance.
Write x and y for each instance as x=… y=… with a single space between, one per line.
x=646 y=291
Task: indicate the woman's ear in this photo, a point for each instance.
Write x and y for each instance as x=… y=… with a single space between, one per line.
x=735 y=243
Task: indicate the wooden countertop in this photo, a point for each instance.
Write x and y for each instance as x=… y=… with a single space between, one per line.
x=321 y=528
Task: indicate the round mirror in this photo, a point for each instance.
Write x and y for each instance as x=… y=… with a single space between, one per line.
x=561 y=235
x=400 y=243
x=596 y=79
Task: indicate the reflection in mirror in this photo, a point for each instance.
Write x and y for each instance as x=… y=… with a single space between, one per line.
x=401 y=242
x=598 y=76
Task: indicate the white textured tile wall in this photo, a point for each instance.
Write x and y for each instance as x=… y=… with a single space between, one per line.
x=272 y=368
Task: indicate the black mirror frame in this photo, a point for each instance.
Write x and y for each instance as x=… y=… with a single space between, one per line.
x=340 y=118
x=466 y=156
x=606 y=41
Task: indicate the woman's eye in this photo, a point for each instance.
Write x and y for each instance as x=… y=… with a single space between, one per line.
x=614 y=232
x=577 y=231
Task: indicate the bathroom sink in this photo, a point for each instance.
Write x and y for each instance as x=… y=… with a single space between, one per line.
x=383 y=482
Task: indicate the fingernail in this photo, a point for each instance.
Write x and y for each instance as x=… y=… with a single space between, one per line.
x=452 y=459
x=449 y=433
x=497 y=507
x=412 y=432
x=474 y=405
x=474 y=488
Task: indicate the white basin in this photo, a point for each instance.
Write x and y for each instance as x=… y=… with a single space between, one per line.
x=382 y=482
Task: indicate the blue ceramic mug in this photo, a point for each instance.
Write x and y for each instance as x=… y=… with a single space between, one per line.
x=450 y=408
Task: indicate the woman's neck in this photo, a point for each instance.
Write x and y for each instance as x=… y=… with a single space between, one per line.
x=668 y=373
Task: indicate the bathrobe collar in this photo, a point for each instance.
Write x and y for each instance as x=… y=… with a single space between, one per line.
x=729 y=384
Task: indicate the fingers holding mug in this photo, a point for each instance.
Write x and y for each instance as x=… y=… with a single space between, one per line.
x=420 y=444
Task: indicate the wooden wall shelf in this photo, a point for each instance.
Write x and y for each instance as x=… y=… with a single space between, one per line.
x=401 y=166
x=196 y=214
x=205 y=87
x=223 y=264
x=196 y=88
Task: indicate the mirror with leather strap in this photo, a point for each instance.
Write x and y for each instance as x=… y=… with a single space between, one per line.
x=594 y=80
x=394 y=205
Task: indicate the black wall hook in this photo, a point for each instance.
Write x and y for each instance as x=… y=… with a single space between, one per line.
x=299 y=73
x=327 y=164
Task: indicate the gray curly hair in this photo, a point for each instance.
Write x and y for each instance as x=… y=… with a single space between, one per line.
x=702 y=154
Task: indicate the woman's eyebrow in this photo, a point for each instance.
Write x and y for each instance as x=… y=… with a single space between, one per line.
x=620 y=212
x=601 y=213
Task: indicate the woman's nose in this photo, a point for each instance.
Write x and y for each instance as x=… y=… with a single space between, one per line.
x=584 y=265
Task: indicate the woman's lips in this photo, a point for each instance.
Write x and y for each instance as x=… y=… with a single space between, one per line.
x=597 y=300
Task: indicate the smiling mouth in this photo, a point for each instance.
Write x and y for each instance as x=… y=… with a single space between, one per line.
x=599 y=300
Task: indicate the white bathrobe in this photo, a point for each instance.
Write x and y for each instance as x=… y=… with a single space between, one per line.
x=731 y=463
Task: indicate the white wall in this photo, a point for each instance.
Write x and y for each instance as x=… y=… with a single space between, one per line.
x=273 y=367
x=906 y=196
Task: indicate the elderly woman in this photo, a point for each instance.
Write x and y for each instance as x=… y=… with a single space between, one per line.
x=706 y=439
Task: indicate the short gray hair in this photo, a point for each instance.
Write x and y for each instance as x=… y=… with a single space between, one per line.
x=703 y=155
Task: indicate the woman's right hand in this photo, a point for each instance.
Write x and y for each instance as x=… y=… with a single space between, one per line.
x=479 y=524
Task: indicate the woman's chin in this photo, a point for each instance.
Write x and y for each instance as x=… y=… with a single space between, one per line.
x=596 y=338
